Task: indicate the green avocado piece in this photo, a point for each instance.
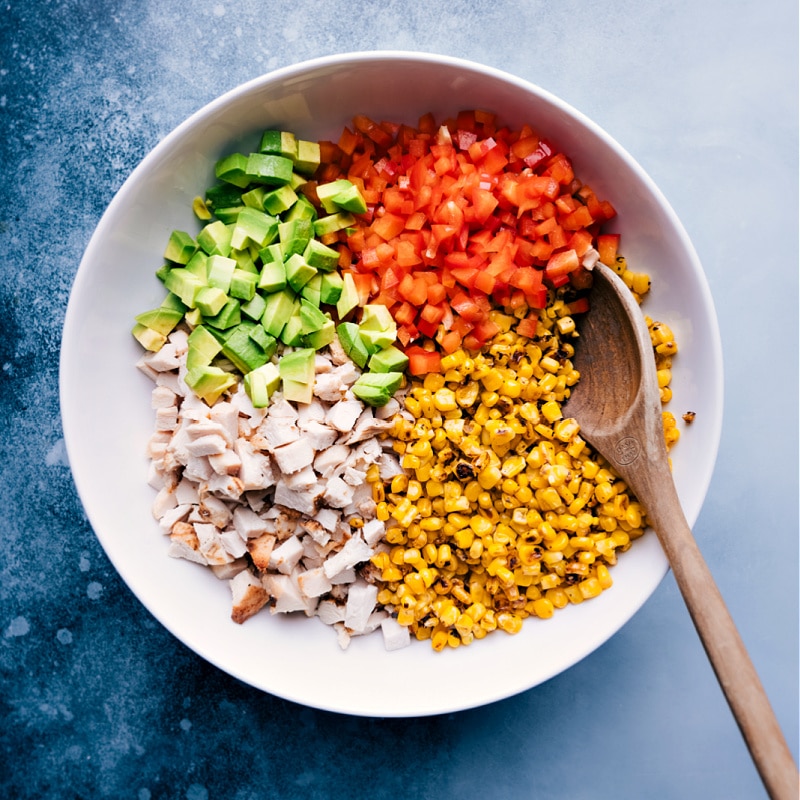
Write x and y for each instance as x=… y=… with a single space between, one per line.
x=269 y=344
x=348 y=299
x=173 y=303
x=333 y=222
x=203 y=347
x=376 y=317
x=279 y=309
x=261 y=383
x=350 y=199
x=312 y=318
x=280 y=143
x=273 y=277
x=298 y=272
x=253 y=226
x=389 y=359
x=210 y=300
x=162 y=320
x=273 y=170
x=330 y=288
x=327 y=191
x=230 y=315
x=376 y=340
x=280 y=200
x=224 y=195
x=215 y=238
x=198 y=264
x=180 y=247
x=254 y=308
x=243 y=284
x=302 y=209
x=184 y=284
x=297 y=374
x=308 y=157
x=352 y=344
x=377 y=388
x=209 y=382
x=324 y=336
x=220 y=271
x=320 y=256
x=233 y=169
x=292 y=333
x=312 y=291
x=241 y=350
x=297 y=391
x=294 y=235
x=148 y=338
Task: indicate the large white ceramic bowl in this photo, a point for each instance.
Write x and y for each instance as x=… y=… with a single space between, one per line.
x=107 y=416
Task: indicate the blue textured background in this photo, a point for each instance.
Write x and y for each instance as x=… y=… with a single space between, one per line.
x=97 y=700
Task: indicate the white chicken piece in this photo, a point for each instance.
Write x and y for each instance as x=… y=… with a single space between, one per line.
x=313 y=582
x=228 y=486
x=294 y=456
x=373 y=531
x=226 y=416
x=226 y=463
x=338 y=494
x=328 y=518
x=287 y=595
x=310 y=412
x=248 y=524
x=212 y=509
x=275 y=432
x=319 y=435
x=186 y=493
x=330 y=612
x=354 y=552
x=210 y=445
x=316 y=530
x=395 y=635
x=255 y=468
x=249 y=596
x=185 y=544
x=330 y=387
x=260 y=550
x=329 y=461
x=210 y=544
x=167 y=418
x=303 y=480
x=233 y=543
x=343 y=415
x=177 y=514
x=286 y=555
x=164 y=501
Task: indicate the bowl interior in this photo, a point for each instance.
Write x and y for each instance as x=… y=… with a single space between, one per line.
x=107 y=416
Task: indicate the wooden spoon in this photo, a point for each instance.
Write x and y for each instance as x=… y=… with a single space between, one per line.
x=618 y=407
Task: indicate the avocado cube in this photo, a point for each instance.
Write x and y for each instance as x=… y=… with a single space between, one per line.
x=261 y=383
x=297 y=374
x=215 y=238
x=350 y=199
x=326 y=192
x=272 y=252
x=254 y=308
x=209 y=382
x=376 y=340
x=270 y=169
x=233 y=169
x=180 y=247
x=320 y=256
x=308 y=157
x=254 y=198
x=242 y=351
x=148 y=338
x=198 y=264
x=389 y=359
x=203 y=347
x=184 y=284
x=162 y=320
x=298 y=392
x=273 y=277
x=294 y=235
x=281 y=143
x=376 y=389
x=312 y=291
x=330 y=288
x=224 y=195
x=312 y=318
x=376 y=317
x=253 y=226
x=193 y=317
x=269 y=344
x=220 y=272
x=303 y=208
x=244 y=260
x=243 y=284
x=321 y=338
x=333 y=222
x=348 y=299
x=230 y=315
x=228 y=215
x=352 y=343
x=292 y=333
x=298 y=273
x=173 y=302
x=280 y=200
x=210 y=300
x=280 y=307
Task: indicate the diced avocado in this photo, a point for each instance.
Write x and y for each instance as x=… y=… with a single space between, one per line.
x=269 y=344
x=163 y=271
x=244 y=260
x=215 y=238
x=243 y=284
x=233 y=169
x=389 y=359
x=324 y=336
x=261 y=383
x=180 y=247
x=348 y=298
x=294 y=235
x=228 y=215
x=272 y=252
x=253 y=226
x=280 y=200
x=220 y=271
x=312 y=291
x=200 y=208
x=198 y=264
x=297 y=180
x=273 y=276
x=203 y=347
x=377 y=388
x=308 y=157
x=270 y=169
x=321 y=256
x=327 y=191
x=292 y=333
x=254 y=308
x=312 y=318
x=210 y=300
x=230 y=315
x=376 y=317
x=330 y=288
x=298 y=272
x=350 y=199
x=148 y=338
x=162 y=320
x=333 y=222
x=376 y=340
x=280 y=307
x=209 y=382
x=173 y=302
x=224 y=195
x=184 y=284
x=193 y=317
x=280 y=143
x=352 y=343
x=242 y=351
x=297 y=374
x=302 y=209
x=255 y=198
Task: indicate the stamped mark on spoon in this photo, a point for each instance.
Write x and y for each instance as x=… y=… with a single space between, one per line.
x=627 y=450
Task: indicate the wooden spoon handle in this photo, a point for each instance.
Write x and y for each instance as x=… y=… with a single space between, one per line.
x=726 y=651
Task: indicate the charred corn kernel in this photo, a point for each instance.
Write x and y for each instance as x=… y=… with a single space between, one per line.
x=489 y=477
x=413 y=490
x=510 y=623
x=664 y=377
x=512 y=466
x=566 y=325
x=391 y=574
x=590 y=588
x=382 y=511
x=510 y=388
x=493 y=380
x=665 y=394
x=549 y=364
x=466 y=396
x=551 y=410
x=378 y=493
x=439 y=640
x=543 y=608
x=433 y=381
x=566 y=429
x=445 y=400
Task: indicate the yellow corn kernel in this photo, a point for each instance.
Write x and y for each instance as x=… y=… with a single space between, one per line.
x=445 y=400
x=603 y=575
x=510 y=388
x=543 y=608
x=551 y=410
x=493 y=380
x=510 y=623
x=490 y=476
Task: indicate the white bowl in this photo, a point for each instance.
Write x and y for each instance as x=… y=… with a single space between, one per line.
x=107 y=417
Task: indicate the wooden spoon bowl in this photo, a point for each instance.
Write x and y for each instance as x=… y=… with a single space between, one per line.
x=618 y=407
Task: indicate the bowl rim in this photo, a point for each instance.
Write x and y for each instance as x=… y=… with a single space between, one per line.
x=67 y=390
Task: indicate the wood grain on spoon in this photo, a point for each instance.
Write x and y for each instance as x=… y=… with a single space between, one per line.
x=618 y=407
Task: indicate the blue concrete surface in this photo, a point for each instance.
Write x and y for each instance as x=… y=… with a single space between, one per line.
x=98 y=701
